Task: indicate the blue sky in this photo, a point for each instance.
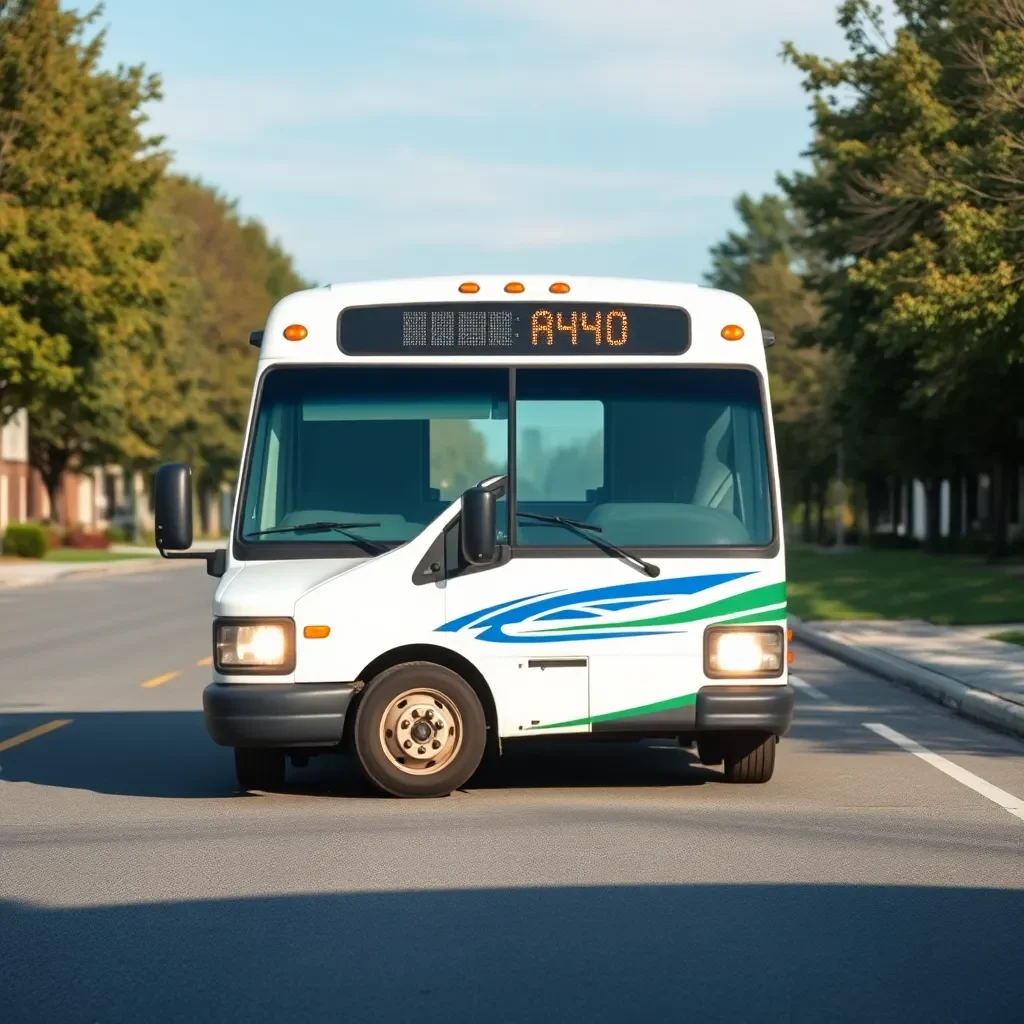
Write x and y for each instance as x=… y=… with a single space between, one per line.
x=388 y=138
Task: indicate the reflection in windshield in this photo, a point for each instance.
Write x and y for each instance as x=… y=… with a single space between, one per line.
x=386 y=447
x=655 y=458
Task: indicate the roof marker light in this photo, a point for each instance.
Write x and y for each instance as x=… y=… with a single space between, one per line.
x=515 y=287
x=559 y=288
x=469 y=287
x=733 y=332
x=295 y=332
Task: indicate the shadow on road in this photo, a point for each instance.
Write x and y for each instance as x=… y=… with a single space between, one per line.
x=598 y=953
x=168 y=754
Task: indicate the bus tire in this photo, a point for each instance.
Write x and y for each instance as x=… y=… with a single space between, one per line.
x=749 y=757
x=257 y=769
x=420 y=730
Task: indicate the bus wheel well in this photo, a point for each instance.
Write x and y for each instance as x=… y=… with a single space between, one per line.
x=439 y=656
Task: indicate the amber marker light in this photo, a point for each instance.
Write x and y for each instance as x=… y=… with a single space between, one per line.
x=295 y=332
x=469 y=287
x=559 y=288
x=316 y=632
x=733 y=332
x=515 y=287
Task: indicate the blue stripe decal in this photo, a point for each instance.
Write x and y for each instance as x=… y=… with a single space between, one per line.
x=570 y=613
x=566 y=605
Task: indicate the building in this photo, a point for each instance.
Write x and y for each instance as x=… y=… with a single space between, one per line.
x=94 y=500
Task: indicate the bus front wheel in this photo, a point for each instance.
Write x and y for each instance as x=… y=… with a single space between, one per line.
x=420 y=730
x=749 y=756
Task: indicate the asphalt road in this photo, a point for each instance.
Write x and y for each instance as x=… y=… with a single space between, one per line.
x=864 y=882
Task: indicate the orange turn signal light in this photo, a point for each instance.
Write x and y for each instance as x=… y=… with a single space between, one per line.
x=559 y=288
x=316 y=632
x=469 y=287
x=515 y=287
x=789 y=635
x=789 y=656
x=295 y=332
x=733 y=332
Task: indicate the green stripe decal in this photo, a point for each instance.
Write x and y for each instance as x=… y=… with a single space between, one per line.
x=645 y=709
x=759 y=598
x=765 y=615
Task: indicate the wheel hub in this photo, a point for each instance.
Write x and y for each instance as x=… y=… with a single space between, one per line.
x=421 y=731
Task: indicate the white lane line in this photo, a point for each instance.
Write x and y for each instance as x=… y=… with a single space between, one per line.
x=998 y=796
x=805 y=687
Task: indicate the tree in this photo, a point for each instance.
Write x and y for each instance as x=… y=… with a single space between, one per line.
x=81 y=280
x=224 y=277
x=916 y=198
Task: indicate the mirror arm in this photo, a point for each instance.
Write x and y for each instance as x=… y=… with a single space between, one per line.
x=216 y=561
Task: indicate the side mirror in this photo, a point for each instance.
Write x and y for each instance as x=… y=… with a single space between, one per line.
x=172 y=500
x=479 y=533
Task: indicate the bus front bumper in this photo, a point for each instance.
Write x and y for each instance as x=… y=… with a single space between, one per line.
x=283 y=715
x=761 y=708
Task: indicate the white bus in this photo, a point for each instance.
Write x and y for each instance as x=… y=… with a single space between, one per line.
x=474 y=513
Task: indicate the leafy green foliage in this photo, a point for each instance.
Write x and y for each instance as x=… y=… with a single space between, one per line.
x=81 y=280
x=26 y=540
x=915 y=203
x=226 y=275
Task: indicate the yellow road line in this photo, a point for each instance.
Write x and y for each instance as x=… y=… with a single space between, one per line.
x=203 y=662
x=160 y=680
x=39 y=730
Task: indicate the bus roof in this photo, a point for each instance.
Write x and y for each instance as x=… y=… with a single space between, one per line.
x=708 y=312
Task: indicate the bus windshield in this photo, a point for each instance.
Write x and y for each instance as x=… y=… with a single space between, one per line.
x=653 y=457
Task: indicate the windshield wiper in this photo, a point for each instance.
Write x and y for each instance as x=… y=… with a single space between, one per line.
x=320 y=527
x=587 y=531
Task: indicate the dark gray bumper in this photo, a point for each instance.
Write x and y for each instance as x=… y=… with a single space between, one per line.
x=276 y=714
x=760 y=708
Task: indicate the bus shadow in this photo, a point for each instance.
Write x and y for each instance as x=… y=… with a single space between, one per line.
x=168 y=754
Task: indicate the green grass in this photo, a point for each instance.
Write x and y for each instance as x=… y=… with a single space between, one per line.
x=85 y=555
x=1013 y=636
x=948 y=590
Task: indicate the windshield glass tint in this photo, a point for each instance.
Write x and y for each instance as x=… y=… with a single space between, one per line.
x=656 y=458
x=391 y=446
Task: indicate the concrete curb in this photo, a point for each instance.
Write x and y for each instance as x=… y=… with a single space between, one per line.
x=978 y=705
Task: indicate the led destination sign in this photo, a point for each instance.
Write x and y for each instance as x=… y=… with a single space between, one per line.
x=514 y=328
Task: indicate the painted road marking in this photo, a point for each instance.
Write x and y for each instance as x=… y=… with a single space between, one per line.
x=998 y=796
x=160 y=680
x=203 y=662
x=31 y=734
x=805 y=687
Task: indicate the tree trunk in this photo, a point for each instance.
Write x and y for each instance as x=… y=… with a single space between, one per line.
x=933 y=514
x=805 y=524
x=956 y=517
x=911 y=517
x=1000 y=507
x=821 y=496
x=52 y=470
x=873 y=487
x=204 y=510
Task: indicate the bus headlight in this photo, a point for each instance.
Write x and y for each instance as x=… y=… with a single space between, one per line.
x=747 y=651
x=254 y=645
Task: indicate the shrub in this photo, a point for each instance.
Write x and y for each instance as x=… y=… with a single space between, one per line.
x=84 y=540
x=27 y=540
x=117 y=535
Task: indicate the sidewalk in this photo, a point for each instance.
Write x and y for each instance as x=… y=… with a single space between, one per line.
x=954 y=665
x=29 y=572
